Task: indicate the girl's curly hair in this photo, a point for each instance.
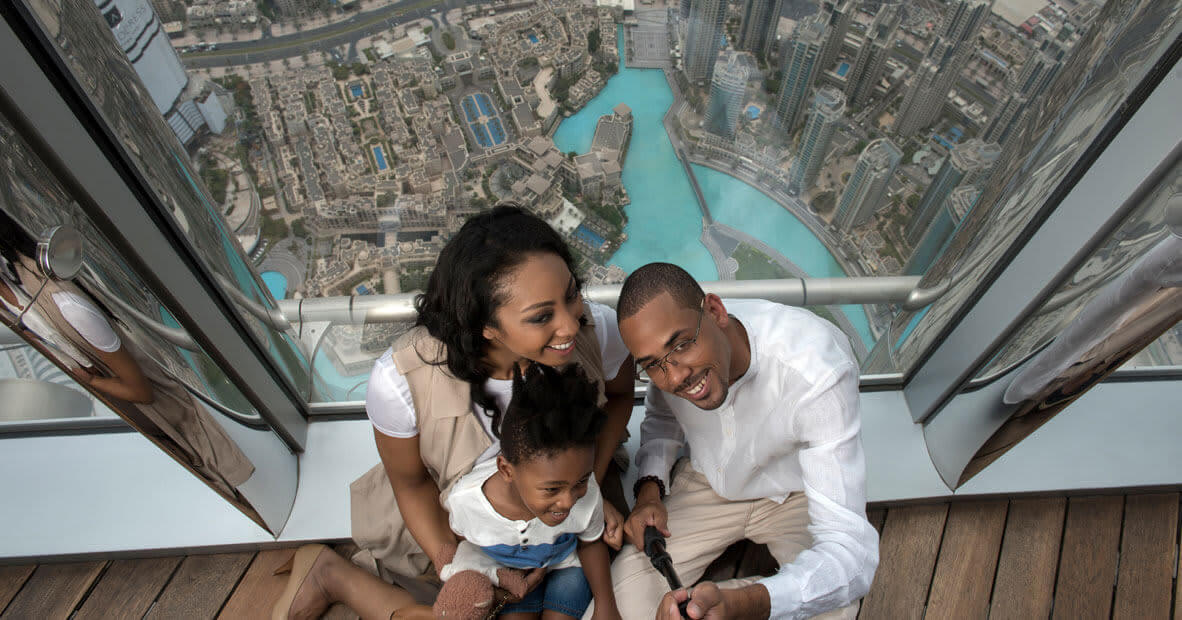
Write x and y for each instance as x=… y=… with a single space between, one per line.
x=553 y=409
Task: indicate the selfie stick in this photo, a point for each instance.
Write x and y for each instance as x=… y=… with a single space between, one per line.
x=654 y=548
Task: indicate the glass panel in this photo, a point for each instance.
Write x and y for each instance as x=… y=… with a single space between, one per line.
x=1113 y=265
x=757 y=141
x=99 y=343
x=156 y=110
x=1104 y=65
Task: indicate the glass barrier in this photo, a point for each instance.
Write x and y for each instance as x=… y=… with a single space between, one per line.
x=85 y=337
x=857 y=139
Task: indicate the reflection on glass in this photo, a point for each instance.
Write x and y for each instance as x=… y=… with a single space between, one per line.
x=97 y=333
x=153 y=108
x=1104 y=66
x=1143 y=231
x=871 y=138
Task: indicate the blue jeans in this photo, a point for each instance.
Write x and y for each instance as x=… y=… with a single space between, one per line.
x=565 y=591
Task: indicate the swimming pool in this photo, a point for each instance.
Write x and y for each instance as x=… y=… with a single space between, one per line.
x=533 y=38
x=380 y=157
x=481 y=135
x=590 y=237
x=496 y=130
x=355 y=89
x=276 y=283
x=752 y=112
x=843 y=68
x=469 y=108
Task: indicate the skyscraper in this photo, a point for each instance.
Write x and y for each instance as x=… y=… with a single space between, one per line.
x=876 y=48
x=799 y=67
x=727 y=89
x=952 y=211
x=836 y=16
x=758 y=29
x=1037 y=72
x=968 y=164
x=950 y=50
x=185 y=107
x=868 y=183
x=703 y=39
x=828 y=106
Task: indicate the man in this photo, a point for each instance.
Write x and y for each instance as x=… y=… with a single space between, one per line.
x=767 y=398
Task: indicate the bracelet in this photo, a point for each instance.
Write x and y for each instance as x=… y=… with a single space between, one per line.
x=643 y=479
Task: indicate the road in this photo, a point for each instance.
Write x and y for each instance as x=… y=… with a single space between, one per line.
x=343 y=33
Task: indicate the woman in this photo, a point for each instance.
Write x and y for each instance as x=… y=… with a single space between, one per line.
x=503 y=294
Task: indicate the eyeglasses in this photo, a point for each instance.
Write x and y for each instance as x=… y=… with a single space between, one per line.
x=662 y=363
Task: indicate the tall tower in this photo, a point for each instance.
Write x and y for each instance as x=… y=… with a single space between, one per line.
x=758 y=30
x=828 y=106
x=968 y=164
x=868 y=183
x=1036 y=74
x=950 y=215
x=836 y=14
x=726 y=95
x=140 y=35
x=799 y=68
x=872 y=57
x=703 y=39
x=948 y=54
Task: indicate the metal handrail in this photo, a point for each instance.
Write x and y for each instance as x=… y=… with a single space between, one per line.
x=358 y=310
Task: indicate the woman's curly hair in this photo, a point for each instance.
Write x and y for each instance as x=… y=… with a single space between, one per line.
x=466 y=287
x=553 y=409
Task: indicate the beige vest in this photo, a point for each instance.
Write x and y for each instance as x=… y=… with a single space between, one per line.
x=450 y=440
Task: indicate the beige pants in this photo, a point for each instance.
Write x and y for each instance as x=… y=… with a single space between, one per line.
x=703 y=526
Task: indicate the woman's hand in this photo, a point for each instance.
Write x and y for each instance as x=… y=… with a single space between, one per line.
x=613 y=526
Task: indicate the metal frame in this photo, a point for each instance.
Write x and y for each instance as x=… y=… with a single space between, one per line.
x=50 y=122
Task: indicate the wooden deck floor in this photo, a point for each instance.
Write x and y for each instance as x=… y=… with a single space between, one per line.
x=1079 y=557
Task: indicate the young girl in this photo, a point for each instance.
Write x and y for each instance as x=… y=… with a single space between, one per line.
x=536 y=505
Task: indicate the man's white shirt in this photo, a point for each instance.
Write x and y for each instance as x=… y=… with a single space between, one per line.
x=789 y=424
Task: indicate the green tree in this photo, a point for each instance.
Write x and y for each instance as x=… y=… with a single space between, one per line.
x=428 y=29
x=448 y=41
x=593 y=40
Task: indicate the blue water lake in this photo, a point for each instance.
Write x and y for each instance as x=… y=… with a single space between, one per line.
x=664 y=221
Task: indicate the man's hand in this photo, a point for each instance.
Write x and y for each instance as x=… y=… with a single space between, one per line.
x=613 y=526
x=705 y=601
x=649 y=510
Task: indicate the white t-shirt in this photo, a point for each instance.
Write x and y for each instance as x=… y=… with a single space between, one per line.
x=391 y=409
x=521 y=544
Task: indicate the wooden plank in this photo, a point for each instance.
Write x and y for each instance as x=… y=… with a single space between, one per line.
x=1144 y=582
x=54 y=590
x=200 y=586
x=128 y=588
x=260 y=586
x=968 y=560
x=876 y=517
x=907 y=554
x=1025 y=583
x=1087 y=562
x=11 y=580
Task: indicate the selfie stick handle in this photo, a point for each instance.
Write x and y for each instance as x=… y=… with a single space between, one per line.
x=654 y=548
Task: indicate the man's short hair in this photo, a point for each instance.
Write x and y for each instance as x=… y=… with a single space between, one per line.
x=653 y=279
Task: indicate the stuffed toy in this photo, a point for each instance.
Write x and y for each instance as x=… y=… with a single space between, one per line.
x=470 y=594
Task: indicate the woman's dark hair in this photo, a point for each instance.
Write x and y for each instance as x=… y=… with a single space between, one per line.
x=553 y=409
x=465 y=289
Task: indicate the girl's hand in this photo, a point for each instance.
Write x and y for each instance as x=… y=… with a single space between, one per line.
x=613 y=526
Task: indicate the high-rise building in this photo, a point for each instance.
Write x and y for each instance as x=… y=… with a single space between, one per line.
x=876 y=48
x=828 y=106
x=757 y=32
x=1037 y=72
x=683 y=9
x=703 y=39
x=968 y=164
x=799 y=68
x=868 y=183
x=948 y=54
x=952 y=211
x=727 y=90
x=186 y=106
x=836 y=14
